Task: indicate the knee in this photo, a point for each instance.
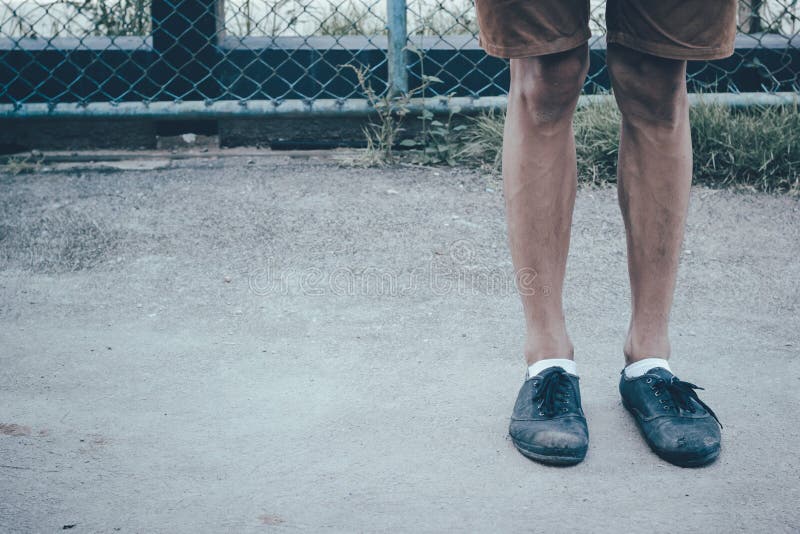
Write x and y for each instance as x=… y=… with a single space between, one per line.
x=547 y=87
x=648 y=88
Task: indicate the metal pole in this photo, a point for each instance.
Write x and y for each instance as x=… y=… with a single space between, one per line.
x=336 y=108
x=396 y=53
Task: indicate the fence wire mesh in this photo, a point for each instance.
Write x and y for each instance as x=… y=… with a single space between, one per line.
x=84 y=51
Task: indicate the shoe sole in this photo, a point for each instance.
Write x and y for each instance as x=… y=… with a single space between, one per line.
x=691 y=462
x=548 y=459
x=699 y=461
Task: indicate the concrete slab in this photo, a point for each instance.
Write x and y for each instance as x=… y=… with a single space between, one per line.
x=296 y=344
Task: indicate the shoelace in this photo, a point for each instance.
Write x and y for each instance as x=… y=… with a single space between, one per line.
x=682 y=394
x=552 y=389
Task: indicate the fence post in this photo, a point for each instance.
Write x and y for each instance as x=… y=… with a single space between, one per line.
x=396 y=26
x=185 y=44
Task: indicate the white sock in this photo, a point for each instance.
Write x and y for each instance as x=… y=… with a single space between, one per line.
x=568 y=365
x=642 y=366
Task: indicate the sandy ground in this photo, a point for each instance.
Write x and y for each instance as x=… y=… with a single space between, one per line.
x=287 y=343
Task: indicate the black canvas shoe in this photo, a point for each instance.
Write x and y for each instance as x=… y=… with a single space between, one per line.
x=675 y=423
x=548 y=424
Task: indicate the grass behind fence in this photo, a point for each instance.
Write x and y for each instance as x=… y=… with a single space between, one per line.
x=757 y=148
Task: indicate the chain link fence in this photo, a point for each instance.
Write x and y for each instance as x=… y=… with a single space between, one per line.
x=130 y=54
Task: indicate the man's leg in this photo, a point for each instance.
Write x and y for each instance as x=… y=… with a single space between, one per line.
x=655 y=174
x=539 y=181
x=654 y=179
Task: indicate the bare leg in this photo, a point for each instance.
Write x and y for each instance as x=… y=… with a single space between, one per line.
x=539 y=181
x=654 y=180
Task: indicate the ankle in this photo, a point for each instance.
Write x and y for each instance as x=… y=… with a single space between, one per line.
x=539 y=350
x=639 y=347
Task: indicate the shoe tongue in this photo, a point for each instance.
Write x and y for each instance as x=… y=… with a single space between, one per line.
x=660 y=372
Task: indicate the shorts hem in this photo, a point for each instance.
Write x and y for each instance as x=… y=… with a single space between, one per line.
x=670 y=51
x=561 y=44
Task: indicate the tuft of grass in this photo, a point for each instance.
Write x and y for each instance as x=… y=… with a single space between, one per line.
x=756 y=148
x=381 y=135
x=439 y=141
x=483 y=142
x=597 y=142
x=25 y=164
x=390 y=110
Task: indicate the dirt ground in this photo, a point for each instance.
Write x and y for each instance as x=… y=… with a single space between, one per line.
x=285 y=342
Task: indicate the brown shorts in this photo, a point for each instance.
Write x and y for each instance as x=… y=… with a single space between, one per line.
x=677 y=29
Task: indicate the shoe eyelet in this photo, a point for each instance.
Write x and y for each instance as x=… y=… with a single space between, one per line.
x=658 y=393
x=541 y=413
x=649 y=380
x=565 y=409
